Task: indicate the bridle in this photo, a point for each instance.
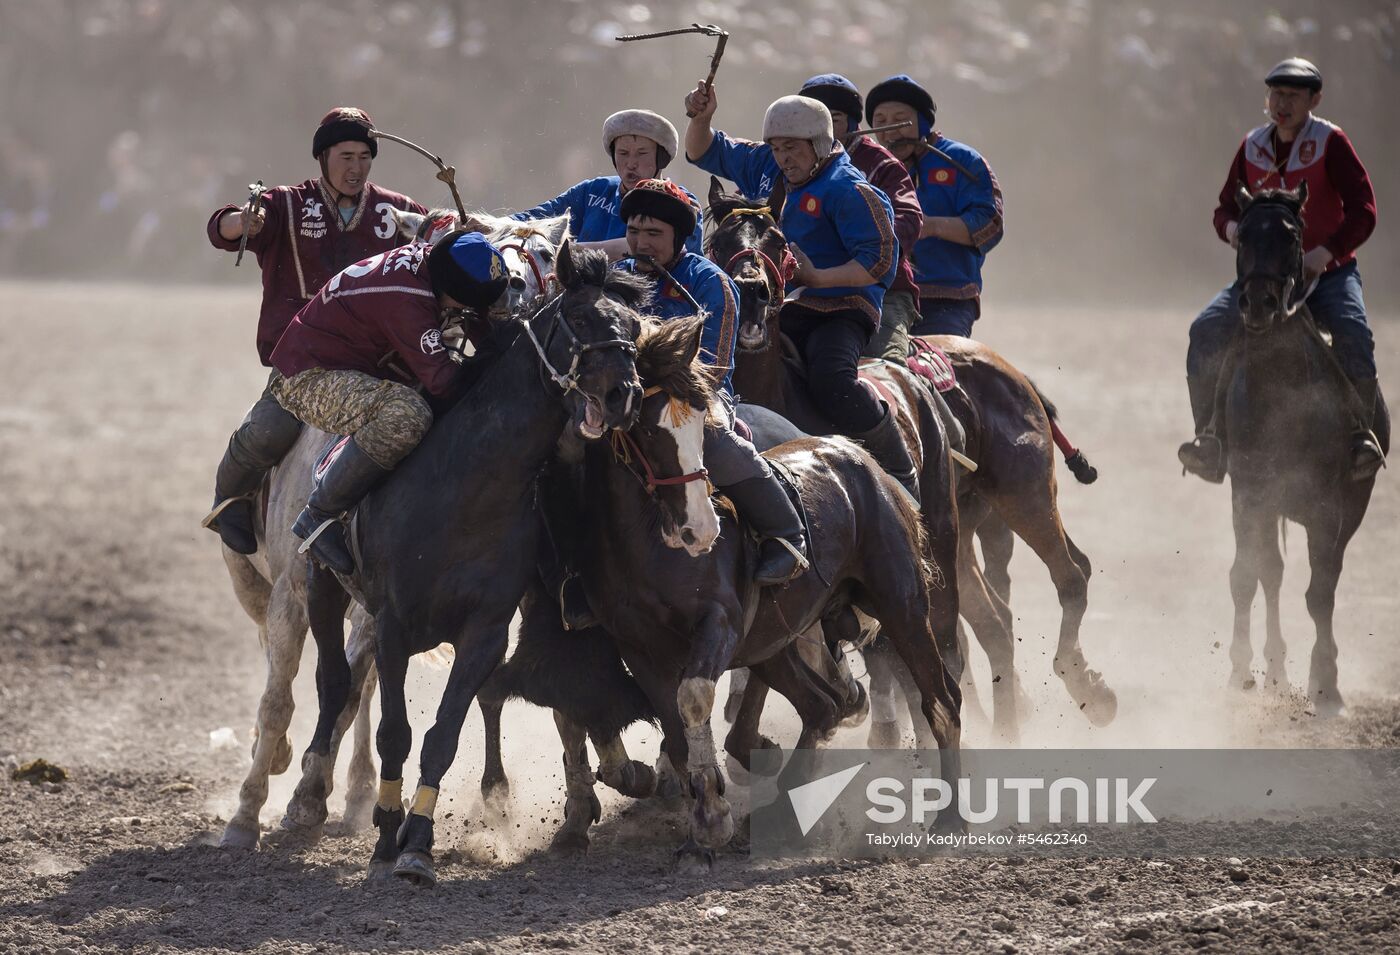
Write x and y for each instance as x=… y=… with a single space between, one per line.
x=626 y=451
x=541 y=282
x=568 y=381
x=778 y=276
x=1293 y=283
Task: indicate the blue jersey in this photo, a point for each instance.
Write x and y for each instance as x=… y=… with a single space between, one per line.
x=835 y=217
x=595 y=211
x=716 y=293
x=966 y=189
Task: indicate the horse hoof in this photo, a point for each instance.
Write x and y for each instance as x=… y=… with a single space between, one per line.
x=669 y=788
x=496 y=801
x=1102 y=707
x=1329 y=707
x=416 y=867
x=568 y=844
x=884 y=734
x=713 y=827
x=634 y=779
x=380 y=870
x=692 y=860
x=239 y=837
x=295 y=834
x=857 y=706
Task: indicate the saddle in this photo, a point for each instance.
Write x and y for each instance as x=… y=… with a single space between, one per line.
x=931 y=363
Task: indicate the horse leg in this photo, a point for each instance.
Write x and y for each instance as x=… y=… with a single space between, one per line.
x=884 y=713
x=1249 y=521
x=711 y=822
x=360 y=777
x=581 y=806
x=1034 y=516
x=1326 y=549
x=972 y=703
x=663 y=693
x=991 y=623
x=495 y=785
x=272 y=750
x=478 y=652
x=744 y=736
x=817 y=700
x=326 y=603
x=738 y=679
x=619 y=771
x=1271 y=577
x=393 y=740
x=997 y=544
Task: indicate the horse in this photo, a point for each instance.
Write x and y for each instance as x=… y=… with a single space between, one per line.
x=698 y=612
x=1010 y=432
x=271 y=588
x=1284 y=403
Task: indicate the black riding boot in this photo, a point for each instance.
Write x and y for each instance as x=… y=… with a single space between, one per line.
x=886 y=444
x=259 y=444
x=1204 y=456
x=763 y=503
x=1366 y=455
x=323 y=520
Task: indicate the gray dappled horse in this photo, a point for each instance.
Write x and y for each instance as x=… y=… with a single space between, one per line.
x=271 y=586
x=1285 y=407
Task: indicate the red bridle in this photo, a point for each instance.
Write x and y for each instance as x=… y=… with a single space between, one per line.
x=779 y=276
x=530 y=261
x=626 y=450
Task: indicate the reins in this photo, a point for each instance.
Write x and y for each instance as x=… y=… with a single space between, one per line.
x=626 y=450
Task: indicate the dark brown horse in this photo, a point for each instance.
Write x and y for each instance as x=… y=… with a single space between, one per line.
x=1009 y=435
x=681 y=604
x=1285 y=410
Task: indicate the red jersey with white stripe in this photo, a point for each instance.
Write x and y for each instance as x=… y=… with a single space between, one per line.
x=304 y=242
x=1340 y=212
x=375 y=313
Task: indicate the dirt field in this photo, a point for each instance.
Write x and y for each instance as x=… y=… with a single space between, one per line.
x=122 y=648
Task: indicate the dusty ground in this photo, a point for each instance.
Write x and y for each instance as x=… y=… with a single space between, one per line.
x=121 y=649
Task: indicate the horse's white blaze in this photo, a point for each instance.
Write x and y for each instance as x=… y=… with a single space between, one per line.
x=701 y=520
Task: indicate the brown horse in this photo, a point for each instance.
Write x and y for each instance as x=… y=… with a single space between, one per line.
x=1010 y=435
x=681 y=604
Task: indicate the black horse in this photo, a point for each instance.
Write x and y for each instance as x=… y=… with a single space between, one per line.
x=448 y=545
x=1284 y=404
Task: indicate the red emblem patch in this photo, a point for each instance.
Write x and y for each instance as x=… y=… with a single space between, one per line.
x=942 y=177
x=810 y=204
x=1307 y=151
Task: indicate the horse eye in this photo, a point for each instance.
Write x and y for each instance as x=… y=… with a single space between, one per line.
x=547 y=255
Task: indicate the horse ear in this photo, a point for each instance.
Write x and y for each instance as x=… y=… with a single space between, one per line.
x=1243 y=197
x=716 y=190
x=692 y=341
x=407 y=223
x=1302 y=193
x=565 y=270
x=559 y=230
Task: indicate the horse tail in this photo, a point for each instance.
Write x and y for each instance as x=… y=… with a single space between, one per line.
x=1075 y=460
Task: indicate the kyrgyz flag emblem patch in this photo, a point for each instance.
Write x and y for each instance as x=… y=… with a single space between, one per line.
x=942 y=177
x=810 y=204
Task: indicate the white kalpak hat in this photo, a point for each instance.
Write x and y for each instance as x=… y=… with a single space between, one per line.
x=800 y=117
x=640 y=122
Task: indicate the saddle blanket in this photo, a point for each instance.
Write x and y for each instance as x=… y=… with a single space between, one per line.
x=929 y=362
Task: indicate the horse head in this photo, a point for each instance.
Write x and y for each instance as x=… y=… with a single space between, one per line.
x=1269 y=258
x=746 y=241
x=530 y=248
x=589 y=344
x=664 y=449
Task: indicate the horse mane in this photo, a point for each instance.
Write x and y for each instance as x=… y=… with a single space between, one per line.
x=1278 y=197
x=591 y=268
x=662 y=349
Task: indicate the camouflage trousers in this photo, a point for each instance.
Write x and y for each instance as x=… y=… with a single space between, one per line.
x=891 y=339
x=388 y=419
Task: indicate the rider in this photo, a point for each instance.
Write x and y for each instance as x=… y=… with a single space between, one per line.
x=330 y=372
x=1340 y=214
x=640 y=144
x=298 y=250
x=961 y=202
x=659 y=215
x=840 y=230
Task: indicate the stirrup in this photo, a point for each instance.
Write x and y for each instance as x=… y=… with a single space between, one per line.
x=320 y=529
x=800 y=567
x=1192 y=454
x=222 y=506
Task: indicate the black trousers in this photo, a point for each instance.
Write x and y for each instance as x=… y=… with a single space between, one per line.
x=832 y=343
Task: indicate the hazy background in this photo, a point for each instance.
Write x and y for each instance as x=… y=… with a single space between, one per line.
x=1111 y=126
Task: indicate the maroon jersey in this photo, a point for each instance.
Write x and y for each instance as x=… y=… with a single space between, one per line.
x=1340 y=213
x=304 y=242
x=890 y=176
x=371 y=312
